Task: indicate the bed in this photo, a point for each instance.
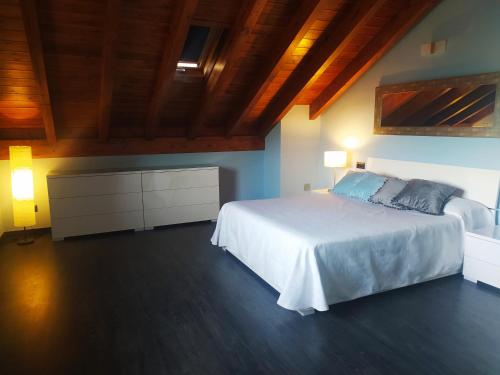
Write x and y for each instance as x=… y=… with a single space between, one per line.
x=320 y=249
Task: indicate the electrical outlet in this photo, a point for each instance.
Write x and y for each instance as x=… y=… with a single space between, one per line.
x=307 y=187
x=360 y=165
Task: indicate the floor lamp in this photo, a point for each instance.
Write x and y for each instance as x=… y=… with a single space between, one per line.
x=23 y=200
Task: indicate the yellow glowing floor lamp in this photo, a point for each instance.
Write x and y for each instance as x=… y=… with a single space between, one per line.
x=23 y=200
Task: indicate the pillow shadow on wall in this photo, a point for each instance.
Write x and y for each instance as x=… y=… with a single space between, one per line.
x=227 y=185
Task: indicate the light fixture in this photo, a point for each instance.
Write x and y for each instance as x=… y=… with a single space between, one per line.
x=185 y=64
x=335 y=159
x=23 y=199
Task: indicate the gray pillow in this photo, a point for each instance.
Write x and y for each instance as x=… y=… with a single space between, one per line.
x=424 y=196
x=391 y=188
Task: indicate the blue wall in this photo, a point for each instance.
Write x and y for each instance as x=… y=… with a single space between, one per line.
x=272 y=163
x=472 y=30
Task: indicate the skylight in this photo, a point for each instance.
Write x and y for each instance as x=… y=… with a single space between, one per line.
x=193 y=47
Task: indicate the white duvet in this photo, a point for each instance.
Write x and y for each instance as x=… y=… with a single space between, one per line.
x=320 y=249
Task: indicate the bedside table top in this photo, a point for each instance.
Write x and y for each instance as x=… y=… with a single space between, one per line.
x=320 y=191
x=489 y=233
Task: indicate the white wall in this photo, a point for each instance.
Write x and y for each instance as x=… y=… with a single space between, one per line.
x=2 y=230
x=272 y=163
x=241 y=176
x=300 y=151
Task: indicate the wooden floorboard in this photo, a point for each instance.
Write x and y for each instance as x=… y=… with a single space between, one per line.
x=167 y=302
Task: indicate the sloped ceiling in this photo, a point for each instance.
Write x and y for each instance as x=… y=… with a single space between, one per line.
x=92 y=77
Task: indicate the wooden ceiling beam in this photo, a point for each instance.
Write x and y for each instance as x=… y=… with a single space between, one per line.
x=110 y=41
x=178 y=29
x=32 y=30
x=480 y=114
x=337 y=36
x=305 y=15
x=412 y=12
x=471 y=110
x=240 y=35
x=131 y=146
x=438 y=105
x=461 y=105
x=401 y=116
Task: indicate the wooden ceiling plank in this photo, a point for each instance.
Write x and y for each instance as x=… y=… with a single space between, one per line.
x=223 y=72
x=32 y=30
x=305 y=15
x=181 y=18
x=336 y=37
x=92 y=147
x=395 y=29
x=110 y=41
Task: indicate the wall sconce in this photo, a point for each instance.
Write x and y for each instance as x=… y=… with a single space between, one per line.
x=335 y=159
x=23 y=199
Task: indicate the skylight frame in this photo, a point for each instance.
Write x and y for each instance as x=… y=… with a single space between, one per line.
x=208 y=56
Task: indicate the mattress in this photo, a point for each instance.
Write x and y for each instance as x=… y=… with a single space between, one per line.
x=321 y=249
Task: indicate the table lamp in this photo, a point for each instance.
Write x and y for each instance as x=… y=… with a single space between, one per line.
x=23 y=200
x=335 y=159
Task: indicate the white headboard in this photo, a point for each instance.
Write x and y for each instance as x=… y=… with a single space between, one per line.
x=481 y=185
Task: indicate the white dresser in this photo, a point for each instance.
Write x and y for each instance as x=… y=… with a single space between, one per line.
x=482 y=256
x=97 y=202
x=86 y=203
x=174 y=196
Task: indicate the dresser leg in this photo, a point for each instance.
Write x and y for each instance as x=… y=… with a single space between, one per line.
x=305 y=312
x=471 y=279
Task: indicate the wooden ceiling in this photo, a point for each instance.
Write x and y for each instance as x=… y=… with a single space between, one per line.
x=94 y=77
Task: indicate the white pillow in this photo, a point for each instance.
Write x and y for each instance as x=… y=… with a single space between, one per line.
x=475 y=215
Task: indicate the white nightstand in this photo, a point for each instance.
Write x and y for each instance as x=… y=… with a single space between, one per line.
x=482 y=256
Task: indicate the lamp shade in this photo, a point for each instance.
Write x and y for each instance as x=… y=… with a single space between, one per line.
x=335 y=159
x=23 y=200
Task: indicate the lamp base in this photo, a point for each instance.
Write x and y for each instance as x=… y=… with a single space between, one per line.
x=25 y=240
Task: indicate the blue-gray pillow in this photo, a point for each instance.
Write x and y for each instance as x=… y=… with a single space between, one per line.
x=367 y=187
x=424 y=196
x=359 y=185
x=347 y=183
x=392 y=187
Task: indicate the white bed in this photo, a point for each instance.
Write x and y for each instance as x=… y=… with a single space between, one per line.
x=321 y=249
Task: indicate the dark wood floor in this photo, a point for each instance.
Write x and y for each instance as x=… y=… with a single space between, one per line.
x=167 y=302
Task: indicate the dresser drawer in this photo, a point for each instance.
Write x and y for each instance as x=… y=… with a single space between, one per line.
x=95 y=205
x=163 y=180
x=180 y=197
x=77 y=226
x=182 y=214
x=84 y=186
x=483 y=250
